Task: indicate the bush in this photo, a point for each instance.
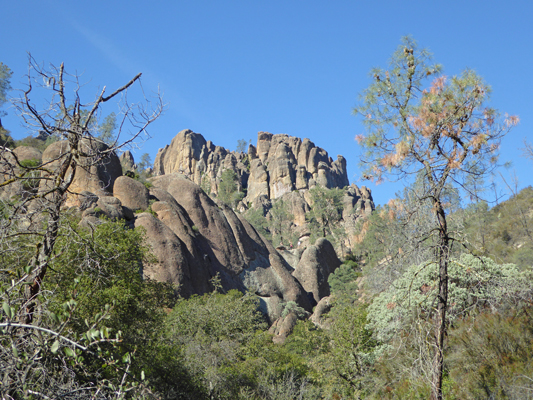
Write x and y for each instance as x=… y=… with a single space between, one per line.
x=491 y=356
x=474 y=284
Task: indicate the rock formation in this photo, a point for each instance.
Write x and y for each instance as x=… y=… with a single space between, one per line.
x=278 y=165
x=94 y=174
x=195 y=238
x=127 y=161
x=9 y=169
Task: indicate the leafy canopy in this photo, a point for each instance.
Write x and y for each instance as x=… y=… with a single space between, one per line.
x=5 y=86
x=475 y=284
x=441 y=126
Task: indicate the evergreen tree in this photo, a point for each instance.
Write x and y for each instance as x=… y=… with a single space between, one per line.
x=440 y=129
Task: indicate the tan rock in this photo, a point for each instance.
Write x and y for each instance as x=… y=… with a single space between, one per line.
x=322 y=308
x=283 y=327
x=181 y=155
x=127 y=161
x=272 y=168
x=258 y=181
x=317 y=263
x=222 y=243
x=94 y=174
x=172 y=265
x=28 y=153
x=302 y=179
x=132 y=194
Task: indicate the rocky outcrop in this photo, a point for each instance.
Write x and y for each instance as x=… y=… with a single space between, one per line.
x=25 y=153
x=95 y=173
x=93 y=207
x=127 y=161
x=282 y=327
x=317 y=262
x=278 y=165
x=321 y=309
x=357 y=203
x=132 y=194
x=195 y=238
x=206 y=239
x=10 y=170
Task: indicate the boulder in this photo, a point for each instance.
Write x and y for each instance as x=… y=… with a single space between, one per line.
x=96 y=172
x=322 y=308
x=111 y=207
x=283 y=327
x=28 y=153
x=9 y=170
x=132 y=194
x=172 y=264
x=318 y=261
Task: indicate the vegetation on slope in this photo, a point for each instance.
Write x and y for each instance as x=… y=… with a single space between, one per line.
x=79 y=321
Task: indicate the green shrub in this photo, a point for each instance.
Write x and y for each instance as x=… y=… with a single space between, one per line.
x=491 y=355
x=474 y=284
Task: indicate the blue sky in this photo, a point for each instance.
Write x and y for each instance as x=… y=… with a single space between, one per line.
x=229 y=69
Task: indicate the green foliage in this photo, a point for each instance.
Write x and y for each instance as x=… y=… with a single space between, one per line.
x=100 y=269
x=5 y=85
x=36 y=142
x=93 y=312
x=342 y=282
x=255 y=217
x=504 y=232
x=228 y=189
x=31 y=176
x=475 y=284
x=145 y=163
x=5 y=139
x=106 y=130
x=292 y=307
x=491 y=355
x=353 y=348
x=280 y=223
x=326 y=213
x=205 y=184
x=241 y=145
x=213 y=331
x=215 y=316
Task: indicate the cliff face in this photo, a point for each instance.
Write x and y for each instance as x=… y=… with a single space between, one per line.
x=278 y=165
x=194 y=237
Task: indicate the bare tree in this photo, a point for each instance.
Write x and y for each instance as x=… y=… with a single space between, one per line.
x=442 y=132
x=32 y=204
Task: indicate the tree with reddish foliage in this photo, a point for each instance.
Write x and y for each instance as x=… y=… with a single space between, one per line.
x=420 y=122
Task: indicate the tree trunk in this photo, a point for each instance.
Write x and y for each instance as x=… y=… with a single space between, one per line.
x=443 y=255
x=52 y=203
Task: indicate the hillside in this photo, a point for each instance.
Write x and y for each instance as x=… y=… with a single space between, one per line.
x=250 y=297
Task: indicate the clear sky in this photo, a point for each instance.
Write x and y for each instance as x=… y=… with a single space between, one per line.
x=229 y=69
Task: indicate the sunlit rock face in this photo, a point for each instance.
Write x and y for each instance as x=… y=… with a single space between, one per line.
x=278 y=164
x=195 y=239
x=94 y=173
